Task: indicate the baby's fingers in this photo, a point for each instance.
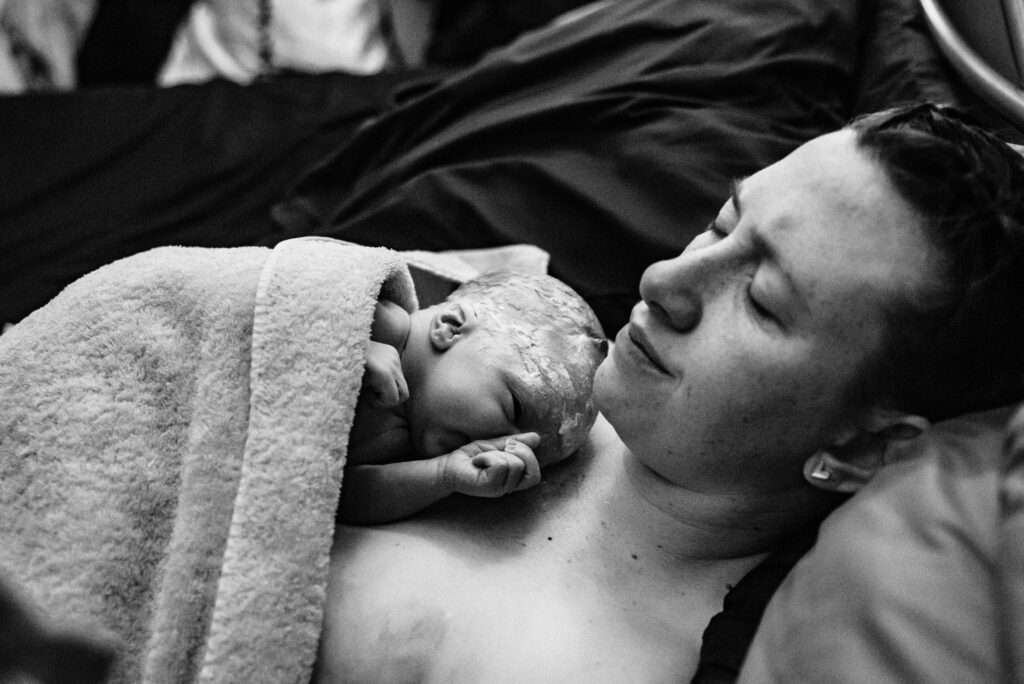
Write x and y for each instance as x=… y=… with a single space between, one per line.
x=516 y=466
x=531 y=468
x=497 y=473
x=530 y=439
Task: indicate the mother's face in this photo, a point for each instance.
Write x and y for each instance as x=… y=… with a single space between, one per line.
x=744 y=356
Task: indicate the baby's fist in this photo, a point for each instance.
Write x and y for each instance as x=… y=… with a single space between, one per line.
x=383 y=377
x=482 y=470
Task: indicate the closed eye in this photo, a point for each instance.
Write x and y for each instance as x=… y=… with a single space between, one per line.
x=759 y=308
x=715 y=230
x=517 y=409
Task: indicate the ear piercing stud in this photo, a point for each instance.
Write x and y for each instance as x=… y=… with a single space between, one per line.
x=821 y=471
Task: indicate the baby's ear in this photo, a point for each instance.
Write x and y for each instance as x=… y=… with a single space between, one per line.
x=451 y=320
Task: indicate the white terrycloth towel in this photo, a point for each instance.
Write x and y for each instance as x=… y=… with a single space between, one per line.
x=173 y=429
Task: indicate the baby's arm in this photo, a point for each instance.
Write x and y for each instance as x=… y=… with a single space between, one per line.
x=385 y=492
x=383 y=378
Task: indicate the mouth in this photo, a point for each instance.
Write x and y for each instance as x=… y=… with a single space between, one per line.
x=638 y=338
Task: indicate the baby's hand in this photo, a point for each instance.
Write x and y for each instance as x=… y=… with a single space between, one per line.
x=493 y=468
x=383 y=377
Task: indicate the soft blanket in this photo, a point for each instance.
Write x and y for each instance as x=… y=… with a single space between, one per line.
x=172 y=434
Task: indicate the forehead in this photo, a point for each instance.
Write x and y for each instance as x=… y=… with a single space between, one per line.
x=548 y=375
x=839 y=227
x=541 y=370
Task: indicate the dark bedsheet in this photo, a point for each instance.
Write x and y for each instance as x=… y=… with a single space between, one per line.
x=92 y=176
x=610 y=142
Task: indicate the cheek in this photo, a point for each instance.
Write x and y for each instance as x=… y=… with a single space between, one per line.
x=431 y=405
x=740 y=401
x=639 y=414
x=789 y=410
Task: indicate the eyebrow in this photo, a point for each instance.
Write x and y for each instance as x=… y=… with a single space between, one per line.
x=766 y=247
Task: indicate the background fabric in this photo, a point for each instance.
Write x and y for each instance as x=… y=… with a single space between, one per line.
x=221 y=38
x=899 y=60
x=97 y=175
x=902 y=583
x=609 y=141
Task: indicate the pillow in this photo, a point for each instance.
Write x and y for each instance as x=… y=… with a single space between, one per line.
x=220 y=38
x=901 y=585
x=39 y=40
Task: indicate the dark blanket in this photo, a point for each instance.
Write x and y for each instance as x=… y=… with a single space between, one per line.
x=97 y=175
x=609 y=142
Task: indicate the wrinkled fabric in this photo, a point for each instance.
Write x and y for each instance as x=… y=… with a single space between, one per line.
x=609 y=141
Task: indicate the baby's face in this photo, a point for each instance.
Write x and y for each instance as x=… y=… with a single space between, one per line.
x=467 y=394
x=477 y=389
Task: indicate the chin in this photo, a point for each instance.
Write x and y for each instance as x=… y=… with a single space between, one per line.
x=610 y=396
x=603 y=379
x=600 y=391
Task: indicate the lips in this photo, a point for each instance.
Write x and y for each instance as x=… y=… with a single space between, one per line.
x=638 y=338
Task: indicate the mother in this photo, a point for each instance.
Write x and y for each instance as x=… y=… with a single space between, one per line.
x=869 y=282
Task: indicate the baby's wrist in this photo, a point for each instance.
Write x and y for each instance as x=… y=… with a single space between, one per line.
x=444 y=478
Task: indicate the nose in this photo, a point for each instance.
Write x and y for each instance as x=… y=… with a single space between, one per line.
x=676 y=289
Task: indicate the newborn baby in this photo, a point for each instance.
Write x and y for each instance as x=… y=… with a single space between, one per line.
x=472 y=395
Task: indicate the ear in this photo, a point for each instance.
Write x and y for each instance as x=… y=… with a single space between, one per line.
x=846 y=467
x=451 y=320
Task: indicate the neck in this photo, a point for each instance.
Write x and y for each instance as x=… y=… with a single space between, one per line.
x=688 y=525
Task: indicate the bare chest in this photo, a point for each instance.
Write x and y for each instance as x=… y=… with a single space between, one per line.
x=407 y=609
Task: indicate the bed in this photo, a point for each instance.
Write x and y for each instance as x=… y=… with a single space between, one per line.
x=528 y=146
x=607 y=141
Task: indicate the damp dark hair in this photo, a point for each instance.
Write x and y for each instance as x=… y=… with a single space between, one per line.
x=960 y=348
x=529 y=307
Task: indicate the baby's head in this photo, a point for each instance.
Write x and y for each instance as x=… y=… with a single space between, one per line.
x=531 y=333
x=556 y=341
